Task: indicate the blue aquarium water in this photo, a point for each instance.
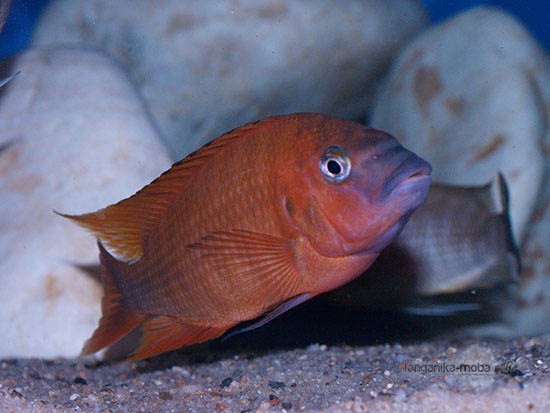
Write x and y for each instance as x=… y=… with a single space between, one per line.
x=18 y=29
x=533 y=13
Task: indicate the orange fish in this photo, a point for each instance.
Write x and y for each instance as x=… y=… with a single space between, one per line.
x=254 y=223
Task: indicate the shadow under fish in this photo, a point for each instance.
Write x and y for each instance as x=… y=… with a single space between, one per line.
x=455 y=255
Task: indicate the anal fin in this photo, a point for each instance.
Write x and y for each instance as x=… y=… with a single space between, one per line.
x=159 y=334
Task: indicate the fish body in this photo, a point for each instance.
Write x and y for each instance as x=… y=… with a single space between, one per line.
x=460 y=239
x=259 y=220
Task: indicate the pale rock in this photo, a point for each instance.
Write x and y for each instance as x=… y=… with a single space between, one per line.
x=472 y=96
x=207 y=67
x=74 y=137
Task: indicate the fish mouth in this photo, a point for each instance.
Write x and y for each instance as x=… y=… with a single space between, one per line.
x=407 y=187
x=411 y=176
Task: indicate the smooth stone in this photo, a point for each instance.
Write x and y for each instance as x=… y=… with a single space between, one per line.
x=207 y=67
x=472 y=96
x=74 y=137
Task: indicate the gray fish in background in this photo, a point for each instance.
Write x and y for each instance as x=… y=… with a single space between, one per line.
x=4 y=11
x=459 y=240
x=523 y=309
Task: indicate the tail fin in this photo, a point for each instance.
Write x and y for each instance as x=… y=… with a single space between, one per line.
x=500 y=186
x=117 y=319
x=131 y=336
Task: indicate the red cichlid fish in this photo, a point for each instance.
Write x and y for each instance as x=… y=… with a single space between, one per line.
x=254 y=223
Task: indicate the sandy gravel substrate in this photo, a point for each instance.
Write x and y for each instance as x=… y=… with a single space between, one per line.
x=281 y=367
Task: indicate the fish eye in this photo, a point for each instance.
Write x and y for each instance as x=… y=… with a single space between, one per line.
x=335 y=164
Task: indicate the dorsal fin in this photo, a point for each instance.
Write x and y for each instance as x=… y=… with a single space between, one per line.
x=500 y=195
x=123 y=227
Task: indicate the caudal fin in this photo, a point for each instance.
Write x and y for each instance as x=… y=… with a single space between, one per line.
x=129 y=335
x=499 y=188
x=117 y=319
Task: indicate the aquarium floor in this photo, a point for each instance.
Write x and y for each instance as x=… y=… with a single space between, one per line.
x=252 y=374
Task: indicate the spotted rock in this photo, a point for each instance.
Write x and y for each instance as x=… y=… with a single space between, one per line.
x=472 y=96
x=74 y=137
x=205 y=67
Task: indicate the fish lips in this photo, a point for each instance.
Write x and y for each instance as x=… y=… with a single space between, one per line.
x=410 y=181
x=407 y=187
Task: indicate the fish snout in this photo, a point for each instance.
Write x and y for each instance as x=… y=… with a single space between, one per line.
x=412 y=176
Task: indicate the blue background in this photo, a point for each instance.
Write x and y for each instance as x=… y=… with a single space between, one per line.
x=534 y=13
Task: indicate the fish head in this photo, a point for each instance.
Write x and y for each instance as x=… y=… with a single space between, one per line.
x=350 y=188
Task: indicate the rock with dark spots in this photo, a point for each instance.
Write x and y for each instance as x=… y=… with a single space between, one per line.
x=207 y=67
x=74 y=137
x=472 y=96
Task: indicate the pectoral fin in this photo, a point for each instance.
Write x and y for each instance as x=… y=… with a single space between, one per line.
x=250 y=266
